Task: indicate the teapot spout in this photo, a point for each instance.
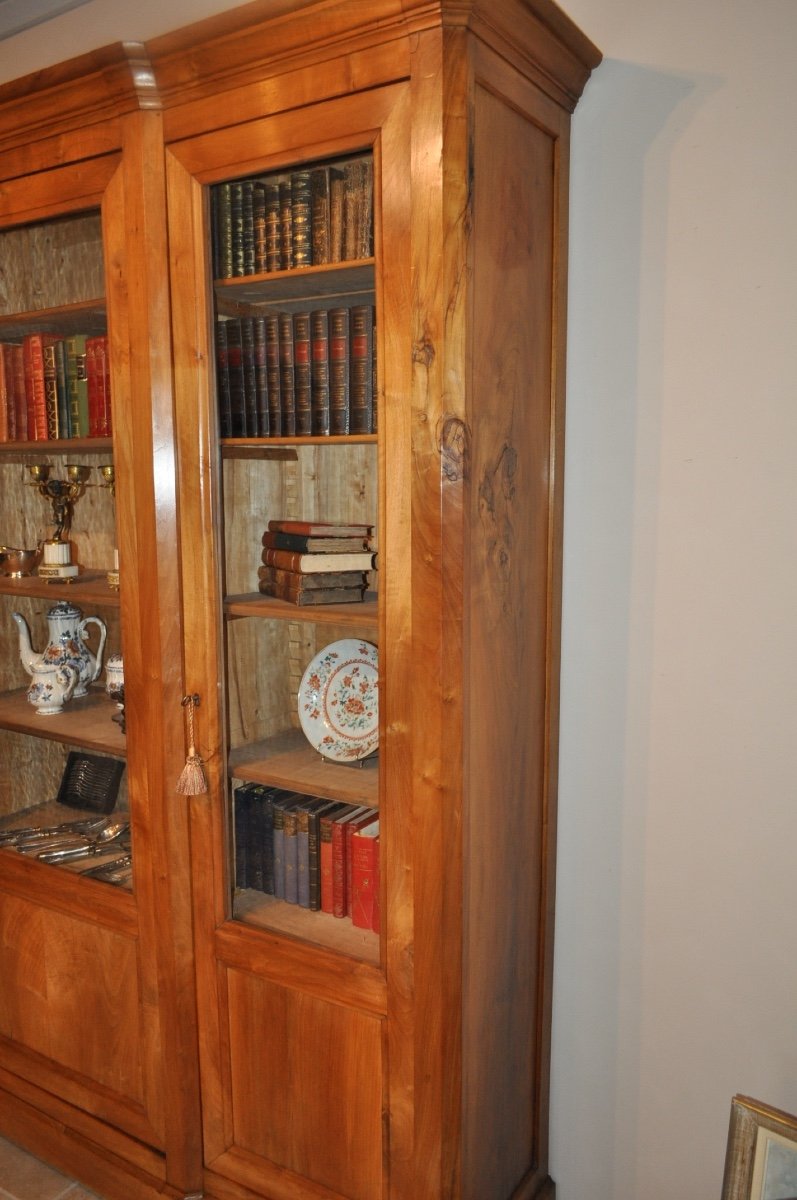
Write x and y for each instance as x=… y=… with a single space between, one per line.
x=28 y=656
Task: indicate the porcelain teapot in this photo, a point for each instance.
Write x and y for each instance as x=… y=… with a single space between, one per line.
x=66 y=647
x=50 y=688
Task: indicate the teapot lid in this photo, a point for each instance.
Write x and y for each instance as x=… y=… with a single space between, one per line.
x=64 y=609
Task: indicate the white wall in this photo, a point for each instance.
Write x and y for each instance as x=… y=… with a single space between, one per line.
x=676 y=963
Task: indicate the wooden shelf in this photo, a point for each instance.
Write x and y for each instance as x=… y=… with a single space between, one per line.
x=288 y=761
x=286 y=447
x=84 y=722
x=84 y=316
x=365 y=613
x=91 y=587
x=67 y=447
x=320 y=287
x=334 y=933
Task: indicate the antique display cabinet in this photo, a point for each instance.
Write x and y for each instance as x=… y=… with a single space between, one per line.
x=330 y=258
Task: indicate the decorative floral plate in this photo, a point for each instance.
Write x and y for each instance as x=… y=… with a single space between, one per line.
x=339 y=700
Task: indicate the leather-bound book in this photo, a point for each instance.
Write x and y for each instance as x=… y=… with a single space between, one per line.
x=361 y=369
x=339 y=371
x=319 y=350
x=271 y=321
x=302 y=374
x=364 y=881
x=301 y=219
x=287 y=392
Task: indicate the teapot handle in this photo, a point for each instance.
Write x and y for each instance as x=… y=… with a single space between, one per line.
x=103 y=634
x=68 y=676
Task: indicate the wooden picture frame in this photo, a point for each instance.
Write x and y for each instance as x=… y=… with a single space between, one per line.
x=761 y=1158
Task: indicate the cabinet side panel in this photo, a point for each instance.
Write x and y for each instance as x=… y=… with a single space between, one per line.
x=75 y=998
x=506 y=669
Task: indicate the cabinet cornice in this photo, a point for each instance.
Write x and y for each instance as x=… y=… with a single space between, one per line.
x=76 y=97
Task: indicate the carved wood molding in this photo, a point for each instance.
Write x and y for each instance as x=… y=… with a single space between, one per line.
x=76 y=96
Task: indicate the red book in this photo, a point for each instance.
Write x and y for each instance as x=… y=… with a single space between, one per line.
x=339 y=863
x=320 y=528
x=364 y=875
x=99 y=386
x=366 y=818
x=325 y=855
x=376 y=916
x=35 y=389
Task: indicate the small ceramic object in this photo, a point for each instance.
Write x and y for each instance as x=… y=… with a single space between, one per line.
x=50 y=688
x=114 y=677
x=67 y=644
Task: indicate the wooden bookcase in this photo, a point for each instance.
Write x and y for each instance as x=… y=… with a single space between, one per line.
x=267 y=1051
x=415 y=1066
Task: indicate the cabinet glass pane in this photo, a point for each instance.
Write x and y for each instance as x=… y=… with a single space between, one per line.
x=294 y=373
x=56 y=481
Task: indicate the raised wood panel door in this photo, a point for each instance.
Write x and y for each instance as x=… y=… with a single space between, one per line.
x=96 y=978
x=293 y=1003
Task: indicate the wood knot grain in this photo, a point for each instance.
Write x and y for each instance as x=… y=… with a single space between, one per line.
x=453 y=442
x=496 y=495
x=423 y=352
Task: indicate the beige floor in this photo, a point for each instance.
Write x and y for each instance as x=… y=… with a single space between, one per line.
x=23 y=1177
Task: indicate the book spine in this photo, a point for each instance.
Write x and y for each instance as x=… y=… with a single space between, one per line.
x=97 y=385
x=261 y=377
x=237 y=228
x=319 y=343
x=294 y=581
x=241 y=830
x=361 y=366
x=278 y=846
x=339 y=371
x=287 y=393
x=223 y=230
x=50 y=389
x=20 y=397
x=248 y=227
x=325 y=863
x=33 y=352
x=336 y=207
x=62 y=389
x=223 y=379
x=273 y=374
x=273 y=227
x=290 y=853
x=301 y=219
x=319 y=207
x=363 y=876
x=6 y=406
x=303 y=818
x=351 y=828
x=251 y=427
x=77 y=384
x=286 y=225
x=259 y=225
x=376 y=908
x=302 y=374
x=235 y=374
x=339 y=868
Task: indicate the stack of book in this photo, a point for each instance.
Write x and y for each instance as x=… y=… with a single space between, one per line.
x=311 y=562
x=296 y=374
x=319 y=854
x=54 y=387
x=307 y=217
